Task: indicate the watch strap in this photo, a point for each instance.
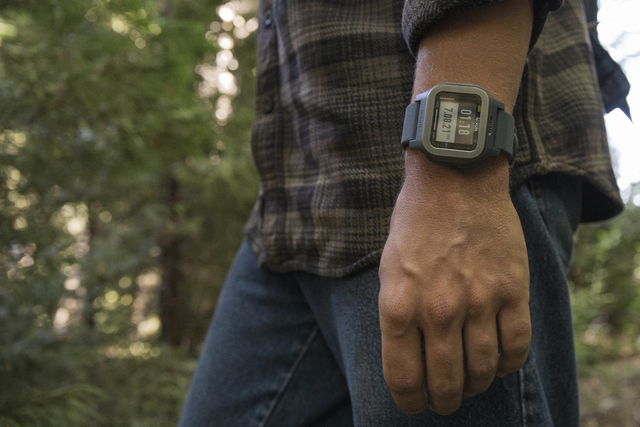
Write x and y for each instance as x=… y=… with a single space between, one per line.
x=506 y=138
x=410 y=126
x=500 y=137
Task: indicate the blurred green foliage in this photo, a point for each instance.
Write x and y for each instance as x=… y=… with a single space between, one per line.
x=604 y=279
x=125 y=181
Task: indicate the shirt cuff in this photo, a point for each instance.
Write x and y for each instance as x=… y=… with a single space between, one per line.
x=419 y=15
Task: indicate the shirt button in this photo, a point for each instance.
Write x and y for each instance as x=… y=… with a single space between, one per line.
x=267 y=105
x=267 y=18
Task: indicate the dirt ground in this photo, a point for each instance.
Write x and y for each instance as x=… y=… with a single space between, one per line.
x=610 y=394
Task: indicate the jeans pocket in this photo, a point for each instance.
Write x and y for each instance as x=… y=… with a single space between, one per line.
x=559 y=199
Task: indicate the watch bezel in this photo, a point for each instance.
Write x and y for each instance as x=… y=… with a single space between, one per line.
x=458 y=153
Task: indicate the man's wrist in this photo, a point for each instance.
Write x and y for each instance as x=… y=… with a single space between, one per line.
x=491 y=176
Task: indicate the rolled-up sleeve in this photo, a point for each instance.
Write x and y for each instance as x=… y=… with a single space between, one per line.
x=419 y=15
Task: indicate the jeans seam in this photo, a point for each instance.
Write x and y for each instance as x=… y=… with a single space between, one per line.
x=522 y=404
x=537 y=193
x=287 y=380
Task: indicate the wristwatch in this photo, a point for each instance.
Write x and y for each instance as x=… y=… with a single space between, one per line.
x=459 y=124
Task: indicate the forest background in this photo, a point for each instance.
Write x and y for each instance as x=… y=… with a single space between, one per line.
x=125 y=180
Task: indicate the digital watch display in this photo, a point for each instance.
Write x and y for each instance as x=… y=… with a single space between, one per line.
x=457 y=121
x=459 y=124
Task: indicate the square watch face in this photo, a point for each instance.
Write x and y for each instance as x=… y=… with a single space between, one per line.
x=456 y=121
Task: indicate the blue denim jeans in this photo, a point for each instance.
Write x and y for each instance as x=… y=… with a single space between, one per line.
x=301 y=350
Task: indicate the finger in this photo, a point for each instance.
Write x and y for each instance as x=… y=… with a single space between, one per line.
x=445 y=369
x=514 y=324
x=481 y=355
x=403 y=369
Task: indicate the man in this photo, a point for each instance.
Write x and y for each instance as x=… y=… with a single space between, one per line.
x=444 y=304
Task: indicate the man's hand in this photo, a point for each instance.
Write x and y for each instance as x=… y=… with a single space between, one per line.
x=454 y=274
x=454 y=270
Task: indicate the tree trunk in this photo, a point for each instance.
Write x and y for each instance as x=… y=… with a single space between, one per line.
x=170 y=260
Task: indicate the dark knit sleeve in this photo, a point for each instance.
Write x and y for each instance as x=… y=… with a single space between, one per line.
x=419 y=15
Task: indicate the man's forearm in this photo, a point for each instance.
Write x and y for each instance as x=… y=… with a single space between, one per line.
x=484 y=46
x=454 y=267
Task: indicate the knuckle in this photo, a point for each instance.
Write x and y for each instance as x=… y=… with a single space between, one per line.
x=395 y=314
x=514 y=355
x=517 y=343
x=510 y=293
x=403 y=386
x=482 y=371
x=516 y=349
x=478 y=305
x=482 y=347
x=442 y=311
x=446 y=389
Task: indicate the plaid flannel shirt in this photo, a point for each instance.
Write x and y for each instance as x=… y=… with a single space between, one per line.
x=334 y=78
